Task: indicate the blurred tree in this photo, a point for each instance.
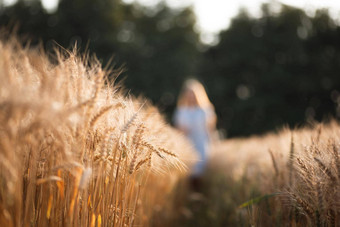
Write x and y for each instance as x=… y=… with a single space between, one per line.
x=158 y=46
x=265 y=72
x=160 y=50
x=277 y=69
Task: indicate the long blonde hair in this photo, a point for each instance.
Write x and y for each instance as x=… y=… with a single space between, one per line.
x=200 y=94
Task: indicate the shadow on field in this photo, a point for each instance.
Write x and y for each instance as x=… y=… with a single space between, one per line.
x=216 y=203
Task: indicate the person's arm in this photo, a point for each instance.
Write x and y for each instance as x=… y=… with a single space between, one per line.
x=211 y=119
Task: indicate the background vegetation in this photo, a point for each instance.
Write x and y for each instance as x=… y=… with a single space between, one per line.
x=277 y=69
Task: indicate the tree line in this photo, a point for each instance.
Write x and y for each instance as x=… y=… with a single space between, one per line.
x=281 y=68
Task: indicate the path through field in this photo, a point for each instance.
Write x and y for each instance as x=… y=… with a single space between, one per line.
x=272 y=180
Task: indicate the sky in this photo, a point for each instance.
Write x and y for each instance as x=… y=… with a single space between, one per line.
x=215 y=15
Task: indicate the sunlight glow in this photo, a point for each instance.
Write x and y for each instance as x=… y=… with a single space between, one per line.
x=215 y=15
x=50 y=5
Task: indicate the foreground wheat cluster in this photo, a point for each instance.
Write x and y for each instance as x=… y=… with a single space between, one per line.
x=73 y=150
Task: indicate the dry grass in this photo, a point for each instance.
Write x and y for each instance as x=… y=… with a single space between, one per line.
x=289 y=178
x=76 y=152
x=301 y=165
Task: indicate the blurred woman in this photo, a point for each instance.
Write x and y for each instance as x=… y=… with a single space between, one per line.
x=195 y=117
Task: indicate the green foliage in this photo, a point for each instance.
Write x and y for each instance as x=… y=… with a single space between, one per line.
x=281 y=68
x=257 y=200
x=277 y=69
x=157 y=47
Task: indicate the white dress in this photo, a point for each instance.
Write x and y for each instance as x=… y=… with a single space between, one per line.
x=194 y=121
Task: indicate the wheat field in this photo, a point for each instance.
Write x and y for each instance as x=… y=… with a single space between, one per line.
x=76 y=151
x=288 y=178
x=302 y=167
